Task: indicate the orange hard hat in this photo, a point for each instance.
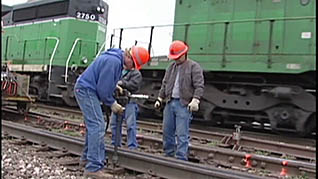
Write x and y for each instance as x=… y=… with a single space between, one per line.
x=140 y=56
x=177 y=49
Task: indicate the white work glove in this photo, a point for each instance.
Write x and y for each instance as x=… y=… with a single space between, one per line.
x=120 y=89
x=117 y=108
x=158 y=103
x=120 y=83
x=194 y=105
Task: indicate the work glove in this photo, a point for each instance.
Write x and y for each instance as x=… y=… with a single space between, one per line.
x=194 y=105
x=117 y=108
x=158 y=103
x=120 y=83
x=120 y=89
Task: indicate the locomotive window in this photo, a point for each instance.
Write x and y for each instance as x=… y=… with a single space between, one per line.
x=24 y=14
x=53 y=9
x=47 y=10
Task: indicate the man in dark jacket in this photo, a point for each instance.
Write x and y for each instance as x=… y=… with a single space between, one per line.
x=182 y=88
x=95 y=85
x=131 y=80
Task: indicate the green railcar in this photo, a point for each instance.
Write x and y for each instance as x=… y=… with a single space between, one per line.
x=269 y=36
x=53 y=41
x=258 y=56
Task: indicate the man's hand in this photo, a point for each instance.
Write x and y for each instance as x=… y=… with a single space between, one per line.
x=194 y=105
x=117 y=108
x=120 y=89
x=158 y=103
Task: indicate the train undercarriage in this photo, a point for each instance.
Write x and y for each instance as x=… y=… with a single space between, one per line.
x=282 y=103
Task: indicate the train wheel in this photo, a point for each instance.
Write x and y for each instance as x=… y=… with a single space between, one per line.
x=207 y=109
x=69 y=100
x=291 y=119
x=310 y=126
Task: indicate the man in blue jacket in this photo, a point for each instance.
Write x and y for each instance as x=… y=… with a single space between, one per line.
x=95 y=85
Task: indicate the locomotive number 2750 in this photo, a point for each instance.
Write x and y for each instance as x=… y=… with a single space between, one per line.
x=87 y=16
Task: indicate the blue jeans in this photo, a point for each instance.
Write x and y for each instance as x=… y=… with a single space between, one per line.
x=94 y=149
x=176 y=121
x=130 y=116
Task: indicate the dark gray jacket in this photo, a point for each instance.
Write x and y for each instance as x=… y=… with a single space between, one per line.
x=132 y=81
x=191 y=81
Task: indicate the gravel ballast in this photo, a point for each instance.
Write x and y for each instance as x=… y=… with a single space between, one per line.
x=24 y=161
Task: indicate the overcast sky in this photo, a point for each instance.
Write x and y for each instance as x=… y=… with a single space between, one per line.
x=135 y=13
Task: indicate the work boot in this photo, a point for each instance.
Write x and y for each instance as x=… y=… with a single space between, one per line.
x=82 y=163
x=97 y=175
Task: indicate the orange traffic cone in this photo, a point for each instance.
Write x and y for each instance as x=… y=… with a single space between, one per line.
x=248 y=160
x=82 y=129
x=66 y=125
x=284 y=170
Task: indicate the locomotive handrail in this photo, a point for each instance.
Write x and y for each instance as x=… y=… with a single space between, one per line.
x=223 y=21
x=69 y=58
x=226 y=22
x=100 y=50
x=53 y=54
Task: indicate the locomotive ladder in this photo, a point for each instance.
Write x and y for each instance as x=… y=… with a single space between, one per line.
x=71 y=53
x=69 y=58
x=51 y=59
x=52 y=56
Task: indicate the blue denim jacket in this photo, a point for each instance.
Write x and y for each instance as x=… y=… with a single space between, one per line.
x=103 y=74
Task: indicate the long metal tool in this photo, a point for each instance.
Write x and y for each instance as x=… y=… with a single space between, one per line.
x=115 y=156
x=123 y=100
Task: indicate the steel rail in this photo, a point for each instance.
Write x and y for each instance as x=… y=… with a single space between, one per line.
x=274 y=147
x=300 y=151
x=228 y=157
x=63 y=109
x=134 y=160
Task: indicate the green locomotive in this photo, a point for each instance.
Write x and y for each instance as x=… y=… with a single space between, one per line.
x=259 y=58
x=53 y=41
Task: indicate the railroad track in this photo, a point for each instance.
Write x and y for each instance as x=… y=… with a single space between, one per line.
x=311 y=142
x=239 y=142
x=138 y=161
x=235 y=141
x=223 y=156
